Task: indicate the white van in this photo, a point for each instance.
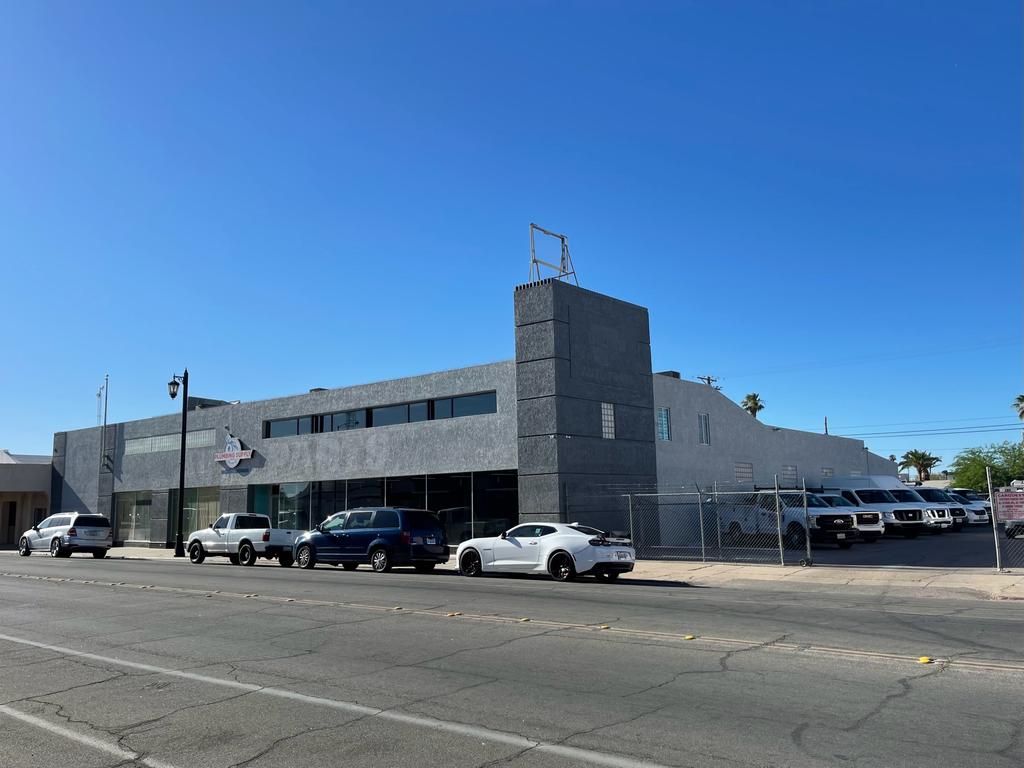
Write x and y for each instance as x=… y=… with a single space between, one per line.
x=904 y=518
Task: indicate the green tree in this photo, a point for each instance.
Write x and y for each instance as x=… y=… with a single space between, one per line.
x=752 y=404
x=922 y=461
x=1018 y=405
x=1005 y=459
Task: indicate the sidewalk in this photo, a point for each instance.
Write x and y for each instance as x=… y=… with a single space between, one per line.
x=903 y=581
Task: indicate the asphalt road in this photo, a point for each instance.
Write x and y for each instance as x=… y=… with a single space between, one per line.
x=160 y=663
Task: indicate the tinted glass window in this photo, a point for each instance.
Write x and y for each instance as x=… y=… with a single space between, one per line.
x=417 y=411
x=61 y=521
x=305 y=425
x=385 y=518
x=283 y=428
x=222 y=522
x=92 y=521
x=443 y=408
x=838 y=501
x=252 y=521
x=932 y=494
x=349 y=420
x=358 y=520
x=521 y=531
x=46 y=523
x=474 y=405
x=419 y=519
x=390 y=414
x=545 y=530
x=587 y=530
x=327 y=423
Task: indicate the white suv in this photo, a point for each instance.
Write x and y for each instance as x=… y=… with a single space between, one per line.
x=69 y=532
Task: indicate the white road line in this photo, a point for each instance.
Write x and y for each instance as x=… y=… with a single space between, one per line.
x=419 y=721
x=90 y=741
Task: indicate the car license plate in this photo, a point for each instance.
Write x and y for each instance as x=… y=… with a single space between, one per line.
x=622 y=555
x=840 y=535
x=431 y=540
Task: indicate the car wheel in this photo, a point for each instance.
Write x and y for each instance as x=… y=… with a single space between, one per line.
x=196 y=553
x=379 y=560
x=612 y=576
x=305 y=557
x=233 y=559
x=469 y=563
x=561 y=567
x=350 y=566
x=99 y=554
x=246 y=555
x=55 y=549
x=23 y=548
x=285 y=560
x=424 y=567
x=794 y=538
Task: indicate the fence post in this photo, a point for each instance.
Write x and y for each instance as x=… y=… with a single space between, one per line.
x=632 y=536
x=718 y=517
x=700 y=517
x=995 y=526
x=807 y=524
x=778 y=522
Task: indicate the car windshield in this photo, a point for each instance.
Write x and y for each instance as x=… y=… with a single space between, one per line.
x=871 y=496
x=92 y=521
x=839 y=501
x=908 y=496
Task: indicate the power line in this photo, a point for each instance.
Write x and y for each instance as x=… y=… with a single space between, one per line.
x=933 y=432
x=912 y=423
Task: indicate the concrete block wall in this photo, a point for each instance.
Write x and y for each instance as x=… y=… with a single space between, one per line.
x=577 y=349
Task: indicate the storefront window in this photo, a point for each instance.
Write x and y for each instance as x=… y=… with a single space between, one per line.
x=495 y=502
x=407 y=492
x=202 y=507
x=366 y=493
x=290 y=506
x=449 y=496
x=132 y=511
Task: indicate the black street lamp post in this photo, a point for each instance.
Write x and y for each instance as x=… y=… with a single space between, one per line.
x=172 y=390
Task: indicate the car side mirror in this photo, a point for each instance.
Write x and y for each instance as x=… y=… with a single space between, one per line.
x=213 y=525
x=35 y=528
x=319 y=527
x=504 y=535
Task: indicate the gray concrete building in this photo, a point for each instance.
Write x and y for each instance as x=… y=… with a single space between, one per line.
x=576 y=416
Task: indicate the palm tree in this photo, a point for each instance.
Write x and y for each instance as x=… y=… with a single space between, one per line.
x=892 y=457
x=922 y=461
x=1018 y=405
x=752 y=404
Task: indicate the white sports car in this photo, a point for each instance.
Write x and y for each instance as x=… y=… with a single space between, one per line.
x=561 y=550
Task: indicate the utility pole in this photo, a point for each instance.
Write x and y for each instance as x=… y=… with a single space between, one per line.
x=826 y=425
x=710 y=381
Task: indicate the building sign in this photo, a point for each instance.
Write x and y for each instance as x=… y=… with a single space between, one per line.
x=232 y=453
x=1009 y=505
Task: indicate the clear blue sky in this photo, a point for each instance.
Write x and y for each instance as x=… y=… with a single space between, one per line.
x=818 y=201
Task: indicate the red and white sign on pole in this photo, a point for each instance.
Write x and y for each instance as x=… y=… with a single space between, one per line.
x=1009 y=505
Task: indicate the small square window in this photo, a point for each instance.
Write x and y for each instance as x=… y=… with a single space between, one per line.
x=788 y=477
x=608 y=421
x=827 y=472
x=744 y=472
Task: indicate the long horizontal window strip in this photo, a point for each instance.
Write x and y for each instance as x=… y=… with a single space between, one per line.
x=201 y=438
x=476 y=404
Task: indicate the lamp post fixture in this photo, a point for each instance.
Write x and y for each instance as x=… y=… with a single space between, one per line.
x=172 y=390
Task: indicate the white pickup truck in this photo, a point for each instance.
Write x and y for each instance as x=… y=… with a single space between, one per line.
x=243 y=539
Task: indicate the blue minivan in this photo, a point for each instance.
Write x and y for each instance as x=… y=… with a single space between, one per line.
x=381 y=536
